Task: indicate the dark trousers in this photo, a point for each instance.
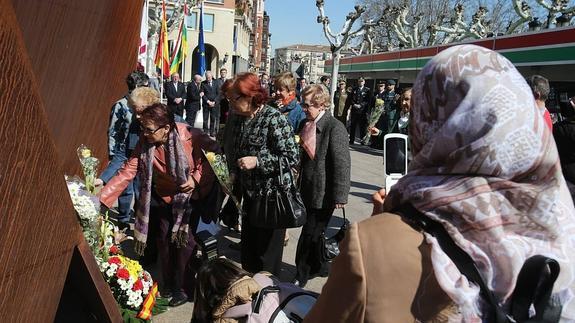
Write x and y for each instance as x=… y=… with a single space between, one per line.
x=211 y=115
x=308 y=260
x=262 y=249
x=191 y=116
x=173 y=260
x=357 y=120
x=177 y=109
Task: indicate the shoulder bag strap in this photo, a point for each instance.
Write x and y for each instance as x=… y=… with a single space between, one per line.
x=460 y=258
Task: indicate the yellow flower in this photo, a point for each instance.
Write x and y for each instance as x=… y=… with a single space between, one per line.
x=132 y=266
x=211 y=156
x=85 y=153
x=297 y=139
x=379 y=102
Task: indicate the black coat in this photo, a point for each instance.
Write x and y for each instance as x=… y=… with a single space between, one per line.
x=564 y=133
x=172 y=94
x=193 y=96
x=211 y=93
x=325 y=180
x=361 y=97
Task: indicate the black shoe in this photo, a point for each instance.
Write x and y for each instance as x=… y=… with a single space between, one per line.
x=235 y=246
x=166 y=294
x=178 y=299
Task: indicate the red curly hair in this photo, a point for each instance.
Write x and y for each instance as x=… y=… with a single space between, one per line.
x=248 y=85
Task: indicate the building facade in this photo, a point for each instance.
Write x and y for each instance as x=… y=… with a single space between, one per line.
x=305 y=60
x=257 y=35
x=242 y=33
x=218 y=21
x=266 y=45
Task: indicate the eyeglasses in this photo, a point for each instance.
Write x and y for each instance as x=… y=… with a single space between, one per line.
x=150 y=131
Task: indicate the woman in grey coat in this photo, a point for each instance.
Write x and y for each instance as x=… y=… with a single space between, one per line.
x=325 y=179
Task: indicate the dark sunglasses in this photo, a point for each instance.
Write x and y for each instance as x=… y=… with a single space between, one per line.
x=150 y=131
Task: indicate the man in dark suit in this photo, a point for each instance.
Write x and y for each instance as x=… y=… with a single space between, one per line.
x=302 y=83
x=209 y=104
x=194 y=98
x=176 y=93
x=360 y=100
x=221 y=102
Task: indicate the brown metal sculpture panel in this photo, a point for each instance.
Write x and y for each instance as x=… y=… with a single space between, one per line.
x=63 y=64
x=81 y=52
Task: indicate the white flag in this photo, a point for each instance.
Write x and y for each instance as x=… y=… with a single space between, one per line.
x=142 y=53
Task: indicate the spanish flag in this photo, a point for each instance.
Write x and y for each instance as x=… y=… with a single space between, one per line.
x=148 y=305
x=162 y=54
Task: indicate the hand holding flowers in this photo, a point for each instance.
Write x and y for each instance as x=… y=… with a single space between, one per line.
x=373 y=118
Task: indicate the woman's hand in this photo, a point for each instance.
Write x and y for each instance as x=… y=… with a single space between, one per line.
x=378 y=199
x=339 y=205
x=98 y=182
x=247 y=163
x=189 y=185
x=373 y=131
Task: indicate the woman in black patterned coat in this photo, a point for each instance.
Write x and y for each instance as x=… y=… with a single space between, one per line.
x=263 y=138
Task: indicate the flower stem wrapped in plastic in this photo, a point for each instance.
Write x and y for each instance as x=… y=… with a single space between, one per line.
x=373 y=118
x=89 y=166
x=220 y=167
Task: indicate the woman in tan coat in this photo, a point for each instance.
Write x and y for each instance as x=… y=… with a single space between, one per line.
x=485 y=167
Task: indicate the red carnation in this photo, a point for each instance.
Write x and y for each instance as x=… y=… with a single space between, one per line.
x=114 y=249
x=123 y=273
x=138 y=285
x=114 y=260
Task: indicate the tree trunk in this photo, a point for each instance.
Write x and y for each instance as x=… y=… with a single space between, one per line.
x=334 y=74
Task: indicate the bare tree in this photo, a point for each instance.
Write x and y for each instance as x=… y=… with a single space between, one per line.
x=554 y=8
x=425 y=22
x=340 y=40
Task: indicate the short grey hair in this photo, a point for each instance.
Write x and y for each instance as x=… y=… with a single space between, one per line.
x=539 y=86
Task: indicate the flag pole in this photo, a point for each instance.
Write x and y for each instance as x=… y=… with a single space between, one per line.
x=160 y=38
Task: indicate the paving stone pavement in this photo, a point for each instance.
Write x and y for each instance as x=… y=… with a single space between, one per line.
x=366 y=178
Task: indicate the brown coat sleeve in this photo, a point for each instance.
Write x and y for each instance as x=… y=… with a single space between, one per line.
x=343 y=297
x=383 y=274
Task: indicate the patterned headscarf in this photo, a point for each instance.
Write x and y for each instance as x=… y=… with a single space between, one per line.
x=486 y=166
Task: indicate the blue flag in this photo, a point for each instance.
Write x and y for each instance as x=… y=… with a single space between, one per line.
x=201 y=46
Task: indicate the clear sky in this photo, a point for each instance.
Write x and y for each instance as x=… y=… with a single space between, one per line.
x=294 y=21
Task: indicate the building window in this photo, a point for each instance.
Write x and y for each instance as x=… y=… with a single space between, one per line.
x=235 y=38
x=192 y=20
x=208 y=22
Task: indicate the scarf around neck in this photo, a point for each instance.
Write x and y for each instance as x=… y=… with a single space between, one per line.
x=286 y=101
x=486 y=167
x=178 y=167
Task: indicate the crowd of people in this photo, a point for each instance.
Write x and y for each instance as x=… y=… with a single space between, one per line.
x=488 y=164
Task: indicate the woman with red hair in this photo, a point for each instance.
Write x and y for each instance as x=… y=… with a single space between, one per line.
x=263 y=139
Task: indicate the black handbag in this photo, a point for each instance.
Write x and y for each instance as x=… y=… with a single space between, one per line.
x=330 y=247
x=279 y=208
